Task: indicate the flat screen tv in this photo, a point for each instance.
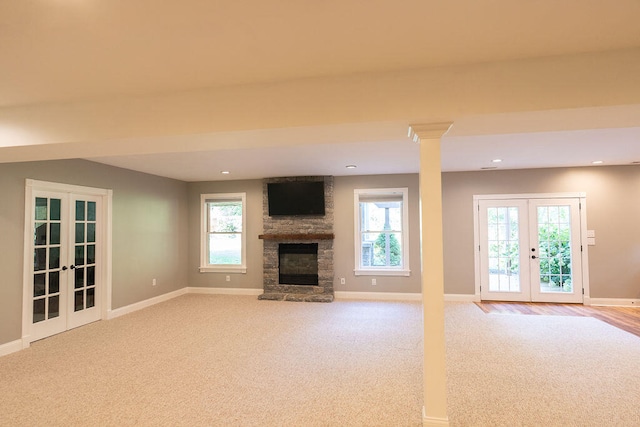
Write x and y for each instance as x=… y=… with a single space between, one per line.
x=296 y=198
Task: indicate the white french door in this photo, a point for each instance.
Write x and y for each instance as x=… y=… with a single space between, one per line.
x=530 y=250
x=63 y=282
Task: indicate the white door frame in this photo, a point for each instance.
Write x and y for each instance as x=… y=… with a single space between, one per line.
x=105 y=258
x=582 y=196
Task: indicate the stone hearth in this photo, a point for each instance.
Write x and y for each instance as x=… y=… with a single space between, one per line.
x=298 y=229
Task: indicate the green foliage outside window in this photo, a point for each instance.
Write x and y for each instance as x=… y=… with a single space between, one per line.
x=225 y=233
x=555 y=255
x=380 y=250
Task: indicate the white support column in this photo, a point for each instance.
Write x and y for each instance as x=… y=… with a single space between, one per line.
x=435 y=379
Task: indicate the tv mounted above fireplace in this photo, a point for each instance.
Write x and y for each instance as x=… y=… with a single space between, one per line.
x=296 y=198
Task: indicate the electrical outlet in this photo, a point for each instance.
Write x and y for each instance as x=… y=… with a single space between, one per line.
x=228 y=278
x=373 y=282
x=342 y=281
x=153 y=282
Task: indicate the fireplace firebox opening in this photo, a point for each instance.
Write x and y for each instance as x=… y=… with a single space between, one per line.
x=298 y=264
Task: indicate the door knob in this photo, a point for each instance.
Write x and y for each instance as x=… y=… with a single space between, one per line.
x=64 y=268
x=533 y=257
x=72 y=267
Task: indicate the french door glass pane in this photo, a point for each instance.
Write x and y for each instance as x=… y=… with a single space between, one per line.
x=38 y=310
x=78 y=300
x=91 y=232
x=54 y=257
x=91 y=297
x=554 y=241
x=79 y=210
x=91 y=276
x=79 y=278
x=41 y=234
x=91 y=254
x=54 y=306
x=40 y=259
x=41 y=208
x=79 y=232
x=91 y=211
x=39 y=284
x=504 y=249
x=54 y=282
x=55 y=210
x=79 y=255
x=54 y=237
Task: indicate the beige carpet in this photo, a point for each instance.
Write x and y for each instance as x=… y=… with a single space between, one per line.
x=234 y=361
x=225 y=361
x=518 y=370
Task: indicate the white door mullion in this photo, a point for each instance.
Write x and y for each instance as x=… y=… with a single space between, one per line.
x=53 y=275
x=503 y=242
x=562 y=281
x=559 y=222
x=49 y=278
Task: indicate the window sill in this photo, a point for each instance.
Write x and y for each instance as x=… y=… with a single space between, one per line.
x=381 y=272
x=224 y=269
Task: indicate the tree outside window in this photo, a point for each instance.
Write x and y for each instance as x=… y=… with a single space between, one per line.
x=225 y=232
x=381 y=224
x=223 y=240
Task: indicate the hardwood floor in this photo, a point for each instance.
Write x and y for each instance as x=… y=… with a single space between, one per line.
x=625 y=318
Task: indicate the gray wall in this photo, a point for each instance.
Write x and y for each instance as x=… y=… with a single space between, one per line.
x=613 y=211
x=344 y=250
x=344 y=261
x=149 y=231
x=253 y=276
x=156 y=228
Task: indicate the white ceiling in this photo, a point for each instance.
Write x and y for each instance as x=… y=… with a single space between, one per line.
x=59 y=51
x=562 y=138
x=578 y=148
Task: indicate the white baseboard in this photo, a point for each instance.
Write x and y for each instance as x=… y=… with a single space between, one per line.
x=378 y=296
x=10 y=347
x=225 y=291
x=620 y=302
x=112 y=314
x=432 y=421
x=461 y=297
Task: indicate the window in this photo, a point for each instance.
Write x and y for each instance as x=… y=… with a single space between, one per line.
x=223 y=241
x=381 y=224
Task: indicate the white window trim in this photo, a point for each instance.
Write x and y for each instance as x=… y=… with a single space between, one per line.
x=404 y=270
x=207 y=268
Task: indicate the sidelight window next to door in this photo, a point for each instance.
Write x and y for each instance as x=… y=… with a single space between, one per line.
x=530 y=250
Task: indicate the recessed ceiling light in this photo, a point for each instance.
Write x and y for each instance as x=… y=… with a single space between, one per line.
x=351 y=166
x=225 y=172
x=597 y=162
x=489 y=168
x=496 y=160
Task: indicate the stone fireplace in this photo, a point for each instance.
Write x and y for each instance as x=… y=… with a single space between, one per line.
x=298 y=251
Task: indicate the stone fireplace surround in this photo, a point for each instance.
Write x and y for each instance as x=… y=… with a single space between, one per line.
x=298 y=229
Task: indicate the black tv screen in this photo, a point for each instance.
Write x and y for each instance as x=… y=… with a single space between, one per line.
x=296 y=198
